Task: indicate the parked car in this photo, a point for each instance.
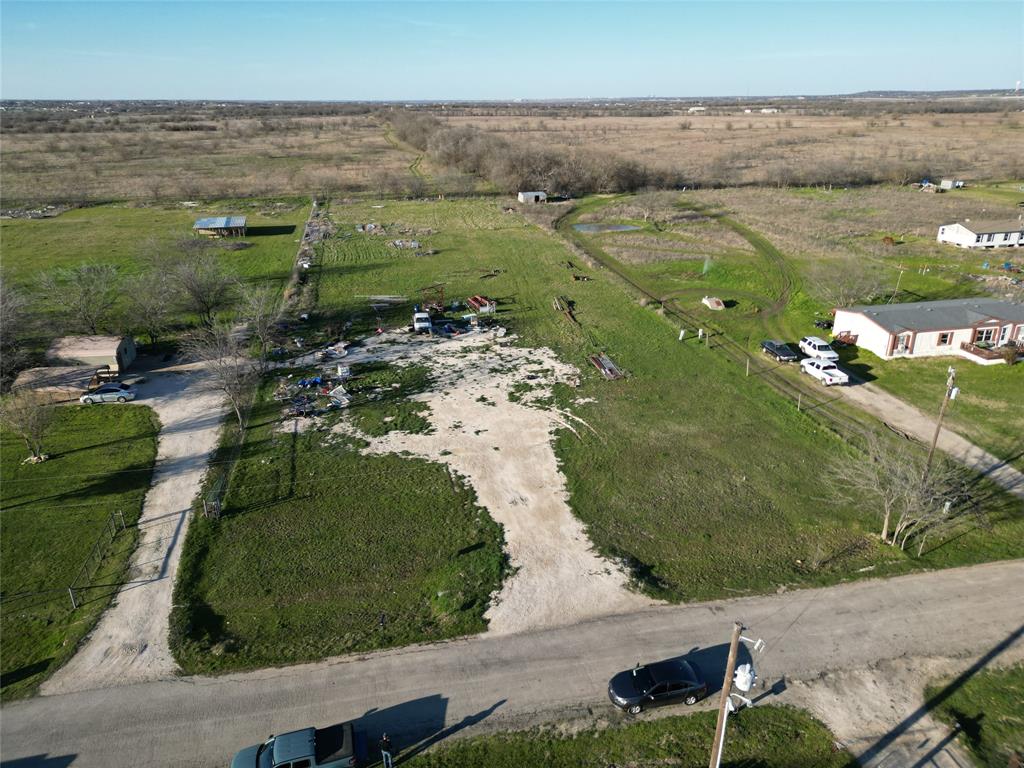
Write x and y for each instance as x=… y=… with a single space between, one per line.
x=652 y=685
x=812 y=346
x=779 y=350
x=109 y=393
x=339 y=746
x=421 y=322
x=824 y=371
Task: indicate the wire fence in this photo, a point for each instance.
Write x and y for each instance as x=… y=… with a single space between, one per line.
x=69 y=597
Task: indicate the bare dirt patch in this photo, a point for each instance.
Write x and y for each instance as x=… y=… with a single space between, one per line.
x=493 y=424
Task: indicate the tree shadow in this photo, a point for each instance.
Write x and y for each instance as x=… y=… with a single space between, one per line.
x=937 y=699
x=21 y=673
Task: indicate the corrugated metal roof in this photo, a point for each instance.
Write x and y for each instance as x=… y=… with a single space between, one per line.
x=941 y=315
x=220 y=222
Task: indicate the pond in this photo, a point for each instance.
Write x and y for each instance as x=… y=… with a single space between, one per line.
x=604 y=227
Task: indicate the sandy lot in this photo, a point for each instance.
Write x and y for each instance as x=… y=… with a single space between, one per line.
x=130 y=643
x=503 y=449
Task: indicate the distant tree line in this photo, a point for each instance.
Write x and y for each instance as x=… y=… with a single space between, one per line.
x=511 y=167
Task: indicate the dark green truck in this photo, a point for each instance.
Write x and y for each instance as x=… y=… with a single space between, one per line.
x=339 y=746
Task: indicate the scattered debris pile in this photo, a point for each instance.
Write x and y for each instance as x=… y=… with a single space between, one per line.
x=371 y=229
x=607 y=366
x=567 y=307
x=713 y=302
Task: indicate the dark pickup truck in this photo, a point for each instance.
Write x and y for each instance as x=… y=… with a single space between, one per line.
x=339 y=746
x=779 y=350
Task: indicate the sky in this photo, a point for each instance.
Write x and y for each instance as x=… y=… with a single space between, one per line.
x=494 y=49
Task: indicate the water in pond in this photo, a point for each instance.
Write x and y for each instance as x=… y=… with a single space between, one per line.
x=603 y=227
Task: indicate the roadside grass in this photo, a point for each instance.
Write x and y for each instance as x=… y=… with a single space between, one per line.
x=321 y=550
x=988 y=710
x=983 y=411
x=52 y=513
x=768 y=737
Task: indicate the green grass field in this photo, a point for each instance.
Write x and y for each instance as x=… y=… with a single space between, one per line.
x=52 y=513
x=767 y=737
x=988 y=709
x=693 y=468
x=322 y=551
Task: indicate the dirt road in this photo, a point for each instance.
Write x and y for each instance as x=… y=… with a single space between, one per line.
x=426 y=693
x=907 y=419
x=129 y=644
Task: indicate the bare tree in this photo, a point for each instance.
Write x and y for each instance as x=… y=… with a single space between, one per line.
x=203 y=285
x=847 y=283
x=149 y=306
x=230 y=368
x=84 y=295
x=912 y=504
x=29 y=415
x=12 y=320
x=260 y=310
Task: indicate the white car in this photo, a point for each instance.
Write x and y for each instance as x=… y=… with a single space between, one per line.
x=812 y=346
x=824 y=371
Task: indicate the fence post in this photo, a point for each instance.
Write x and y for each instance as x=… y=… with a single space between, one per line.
x=799 y=400
x=71 y=594
x=120 y=514
x=748 y=366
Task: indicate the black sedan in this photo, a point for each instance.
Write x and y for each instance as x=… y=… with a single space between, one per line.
x=652 y=685
x=779 y=350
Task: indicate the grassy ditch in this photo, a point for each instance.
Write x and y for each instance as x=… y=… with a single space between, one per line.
x=321 y=550
x=988 y=710
x=53 y=513
x=768 y=737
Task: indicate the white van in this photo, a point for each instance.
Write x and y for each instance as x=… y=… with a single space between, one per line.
x=421 y=322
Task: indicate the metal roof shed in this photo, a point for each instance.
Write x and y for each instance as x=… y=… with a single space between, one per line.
x=220 y=226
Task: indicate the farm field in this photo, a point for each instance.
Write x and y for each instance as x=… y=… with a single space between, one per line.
x=52 y=514
x=137 y=239
x=322 y=551
x=766 y=736
x=659 y=483
x=197 y=153
x=987 y=709
x=733 y=148
x=774 y=292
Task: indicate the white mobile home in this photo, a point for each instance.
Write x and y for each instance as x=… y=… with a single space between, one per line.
x=978 y=234
x=532 y=197
x=971 y=328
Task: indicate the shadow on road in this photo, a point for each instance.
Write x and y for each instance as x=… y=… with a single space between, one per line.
x=415 y=725
x=39 y=761
x=885 y=741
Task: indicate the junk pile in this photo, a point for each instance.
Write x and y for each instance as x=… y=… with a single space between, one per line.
x=405 y=244
x=313 y=395
x=606 y=366
x=371 y=229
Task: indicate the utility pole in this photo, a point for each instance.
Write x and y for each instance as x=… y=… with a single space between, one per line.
x=723 y=701
x=951 y=393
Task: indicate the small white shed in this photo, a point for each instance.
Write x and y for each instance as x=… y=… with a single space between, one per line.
x=532 y=197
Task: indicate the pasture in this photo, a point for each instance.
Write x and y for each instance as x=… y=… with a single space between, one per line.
x=52 y=515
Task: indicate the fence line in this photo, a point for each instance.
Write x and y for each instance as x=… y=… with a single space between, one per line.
x=717 y=339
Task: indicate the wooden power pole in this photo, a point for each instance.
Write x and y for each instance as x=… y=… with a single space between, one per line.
x=950 y=386
x=723 y=701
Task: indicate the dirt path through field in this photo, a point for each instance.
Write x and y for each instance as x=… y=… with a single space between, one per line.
x=504 y=451
x=130 y=643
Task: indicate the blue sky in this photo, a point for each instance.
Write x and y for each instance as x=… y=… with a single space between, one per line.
x=502 y=50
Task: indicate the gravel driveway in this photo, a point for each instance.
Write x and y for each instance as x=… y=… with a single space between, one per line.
x=130 y=643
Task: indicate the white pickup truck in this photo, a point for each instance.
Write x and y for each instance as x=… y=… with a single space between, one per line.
x=824 y=371
x=812 y=346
